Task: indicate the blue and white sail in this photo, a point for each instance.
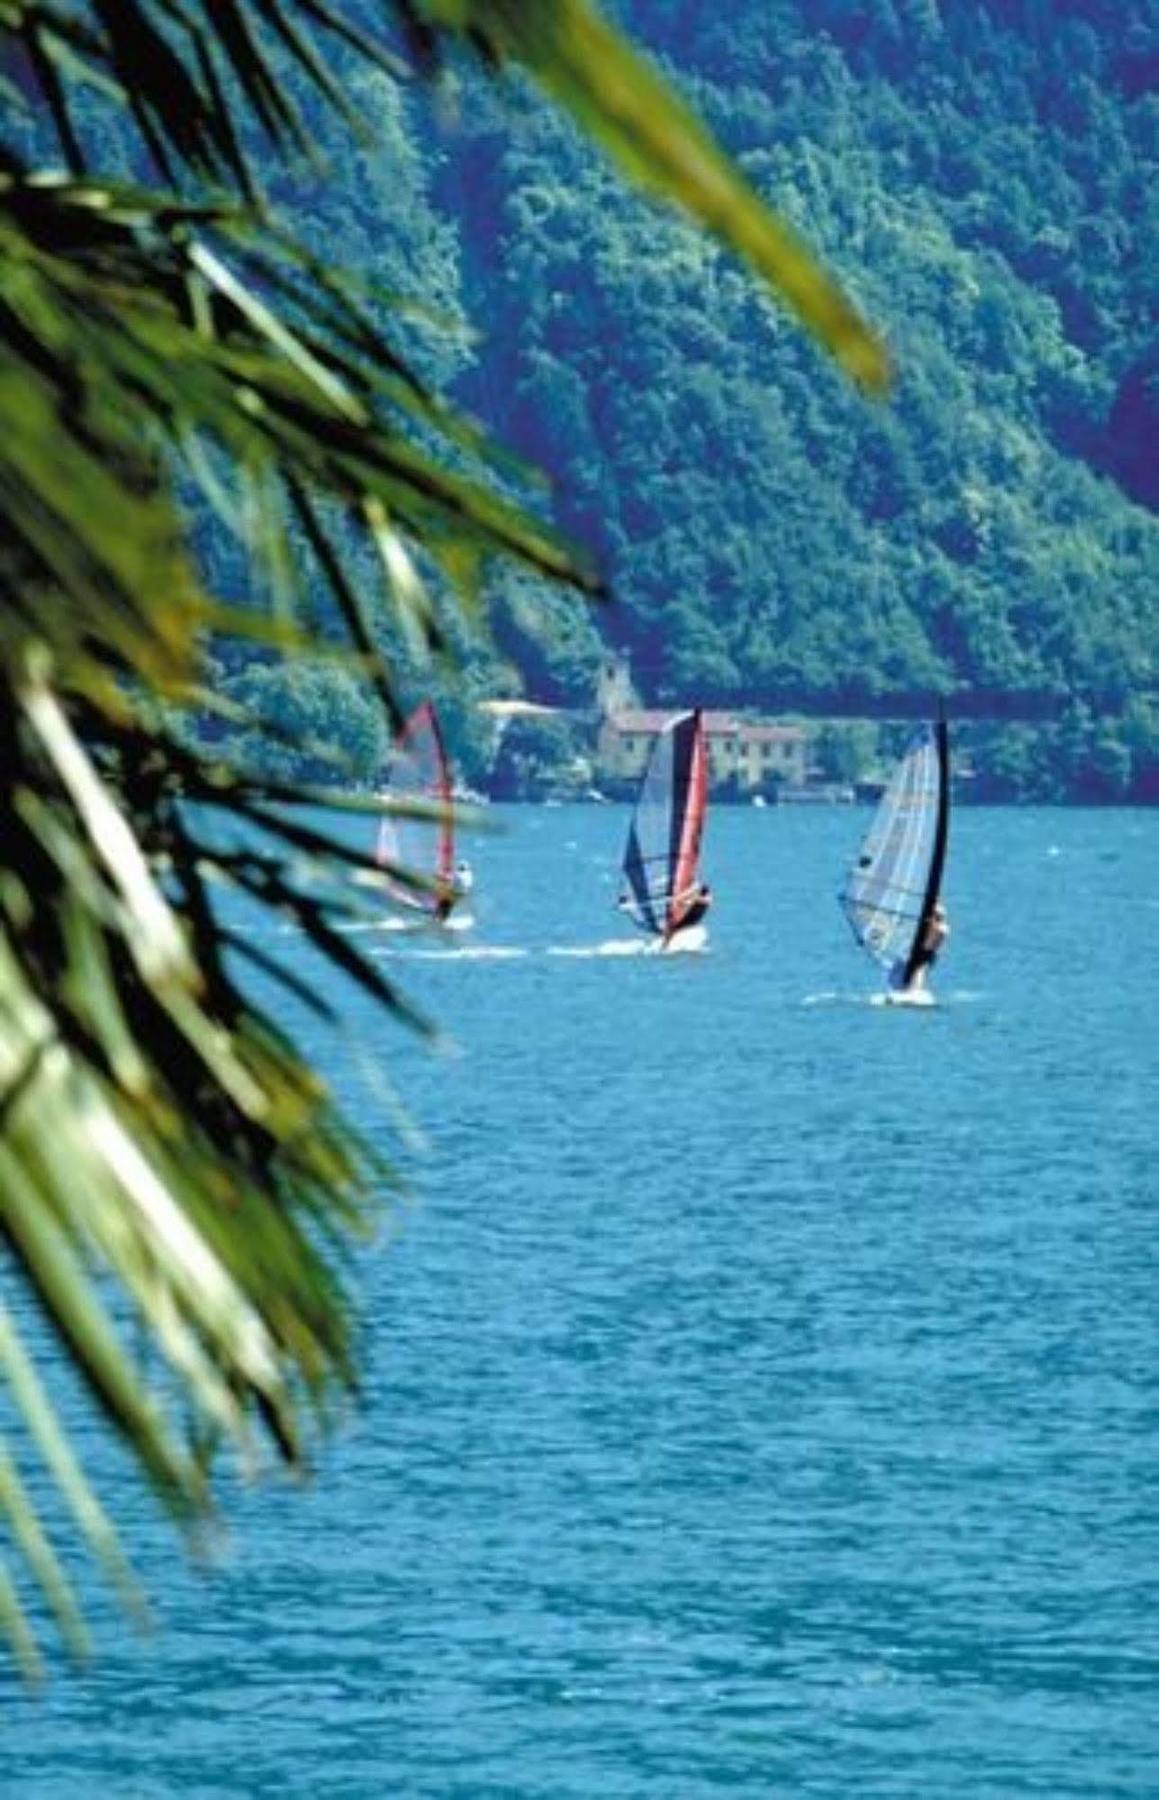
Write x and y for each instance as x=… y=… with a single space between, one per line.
x=893 y=885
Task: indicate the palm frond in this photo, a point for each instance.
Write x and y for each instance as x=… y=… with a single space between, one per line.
x=159 y=1134
x=115 y=307
x=174 y=66
x=169 y=1165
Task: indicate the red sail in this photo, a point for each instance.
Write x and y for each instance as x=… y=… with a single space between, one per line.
x=693 y=778
x=419 y=771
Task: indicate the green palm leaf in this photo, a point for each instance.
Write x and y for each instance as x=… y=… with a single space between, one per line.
x=171 y=1171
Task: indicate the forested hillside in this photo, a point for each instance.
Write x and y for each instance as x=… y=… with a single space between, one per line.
x=981 y=177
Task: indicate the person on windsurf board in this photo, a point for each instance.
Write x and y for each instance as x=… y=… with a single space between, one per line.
x=453 y=891
x=688 y=909
x=930 y=945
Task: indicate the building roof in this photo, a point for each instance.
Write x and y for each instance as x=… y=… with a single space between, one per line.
x=772 y=734
x=518 y=709
x=716 y=724
x=641 y=720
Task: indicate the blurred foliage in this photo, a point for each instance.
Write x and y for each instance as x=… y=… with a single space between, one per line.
x=233 y=506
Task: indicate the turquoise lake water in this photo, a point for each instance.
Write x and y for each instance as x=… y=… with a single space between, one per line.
x=761 y=1396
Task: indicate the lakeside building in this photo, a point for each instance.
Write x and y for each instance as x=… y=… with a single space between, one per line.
x=748 y=754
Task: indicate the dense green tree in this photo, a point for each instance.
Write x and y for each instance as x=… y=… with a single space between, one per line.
x=765 y=537
x=845 y=751
x=536 y=757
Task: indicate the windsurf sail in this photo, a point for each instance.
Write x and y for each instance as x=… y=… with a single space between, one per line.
x=663 y=848
x=419 y=771
x=893 y=886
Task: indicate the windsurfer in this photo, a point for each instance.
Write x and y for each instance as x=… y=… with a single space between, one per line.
x=688 y=909
x=930 y=944
x=451 y=890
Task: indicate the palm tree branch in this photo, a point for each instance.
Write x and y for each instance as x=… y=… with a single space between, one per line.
x=17 y=1507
